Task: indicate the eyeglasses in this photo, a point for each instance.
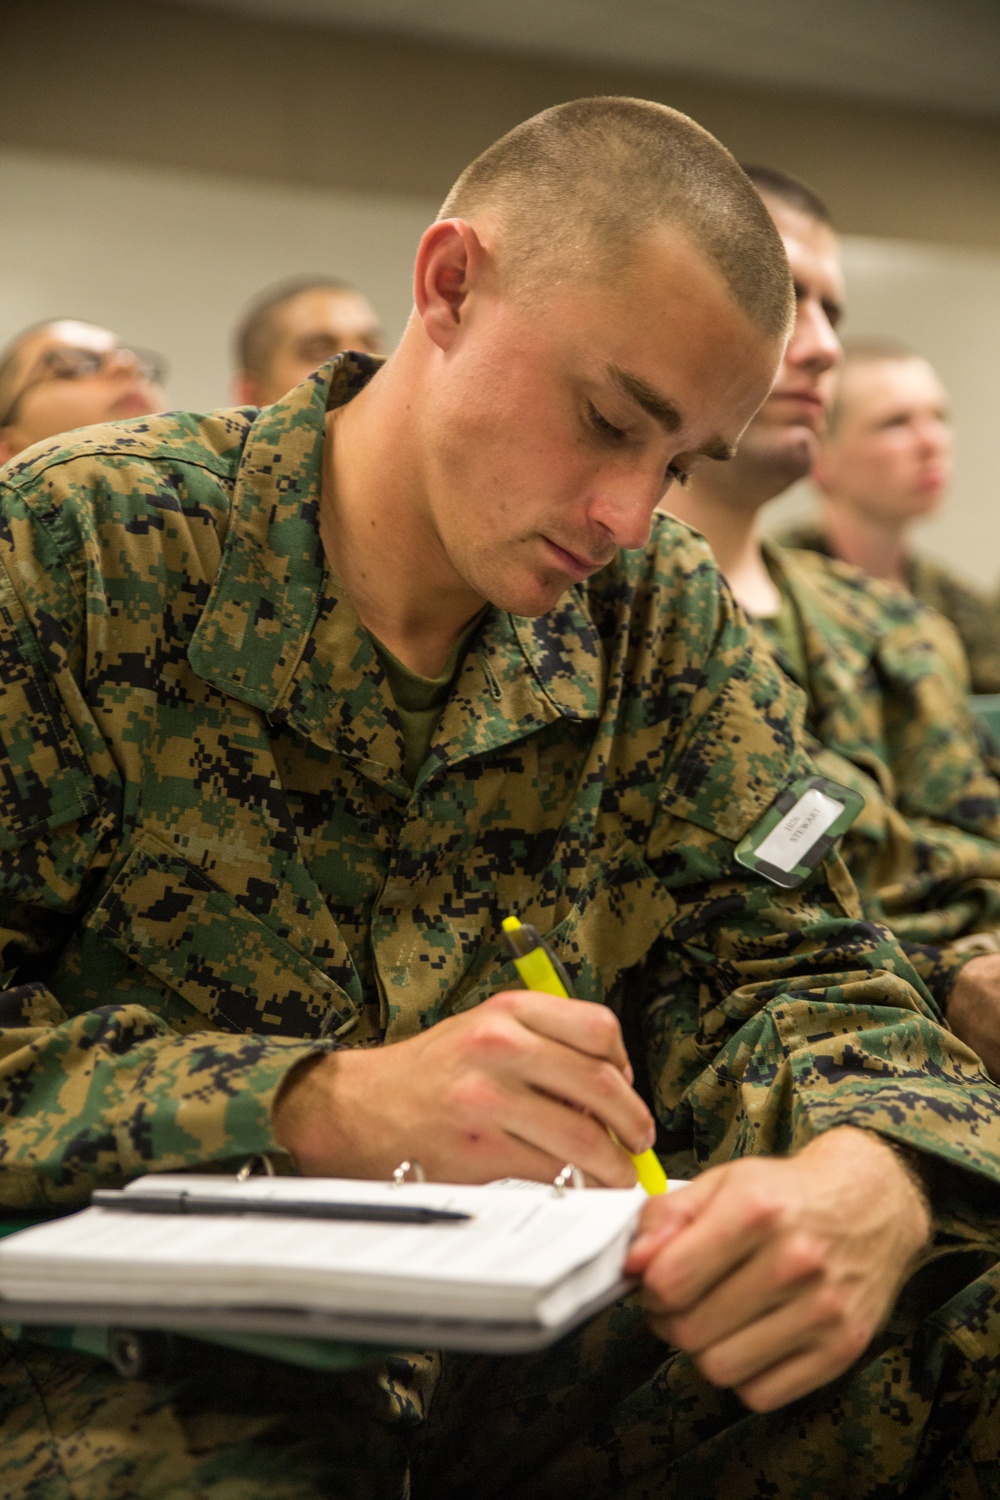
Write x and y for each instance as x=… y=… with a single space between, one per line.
x=83 y=364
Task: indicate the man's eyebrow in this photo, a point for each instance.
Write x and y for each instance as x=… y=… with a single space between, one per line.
x=718 y=449
x=662 y=410
x=653 y=404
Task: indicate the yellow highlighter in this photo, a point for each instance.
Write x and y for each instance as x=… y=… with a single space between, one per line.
x=541 y=970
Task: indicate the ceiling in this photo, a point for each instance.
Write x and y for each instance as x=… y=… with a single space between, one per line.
x=939 y=53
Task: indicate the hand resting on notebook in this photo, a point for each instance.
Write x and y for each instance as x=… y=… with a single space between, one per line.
x=775 y=1273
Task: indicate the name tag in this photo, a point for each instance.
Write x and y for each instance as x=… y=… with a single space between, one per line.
x=798 y=829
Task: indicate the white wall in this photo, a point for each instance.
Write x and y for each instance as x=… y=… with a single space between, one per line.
x=168 y=258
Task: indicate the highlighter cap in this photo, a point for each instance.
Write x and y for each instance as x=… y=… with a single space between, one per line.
x=522 y=938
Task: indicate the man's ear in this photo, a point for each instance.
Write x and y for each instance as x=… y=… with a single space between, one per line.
x=450 y=259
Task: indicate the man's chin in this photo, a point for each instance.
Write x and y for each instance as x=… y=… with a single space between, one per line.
x=530 y=601
x=783 y=454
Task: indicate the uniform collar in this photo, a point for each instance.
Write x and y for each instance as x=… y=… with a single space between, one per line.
x=255 y=640
x=264 y=600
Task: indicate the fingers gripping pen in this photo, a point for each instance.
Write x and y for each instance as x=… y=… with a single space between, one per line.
x=539 y=969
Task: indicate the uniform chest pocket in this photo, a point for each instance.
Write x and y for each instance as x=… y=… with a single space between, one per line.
x=168 y=917
x=617 y=917
x=44 y=780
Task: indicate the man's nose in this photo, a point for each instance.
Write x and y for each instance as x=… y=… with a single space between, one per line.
x=123 y=362
x=623 y=510
x=814 y=344
x=935 y=436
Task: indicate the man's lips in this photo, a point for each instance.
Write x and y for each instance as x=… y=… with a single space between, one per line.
x=804 y=398
x=132 y=404
x=572 y=563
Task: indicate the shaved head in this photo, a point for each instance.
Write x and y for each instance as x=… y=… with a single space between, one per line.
x=571 y=192
x=859 y=354
x=772 y=182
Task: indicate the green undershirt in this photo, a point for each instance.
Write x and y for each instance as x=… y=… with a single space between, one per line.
x=784 y=632
x=420 y=700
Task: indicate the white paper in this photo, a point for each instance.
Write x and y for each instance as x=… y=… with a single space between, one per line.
x=522 y=1256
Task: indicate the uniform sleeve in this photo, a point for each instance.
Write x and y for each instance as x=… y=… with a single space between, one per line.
x=109 y=1094
x=943 y=887
x=933 y=746
x=778 y=1014
x=975 y=615
x=935 y=885
x=925 y=851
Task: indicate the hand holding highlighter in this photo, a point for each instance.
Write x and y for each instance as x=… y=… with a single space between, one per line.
x=539 y=969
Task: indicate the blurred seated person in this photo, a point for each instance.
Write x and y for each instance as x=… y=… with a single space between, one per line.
x=65 y=374
x=884 y=463
x=294 y=327
x=884 y=676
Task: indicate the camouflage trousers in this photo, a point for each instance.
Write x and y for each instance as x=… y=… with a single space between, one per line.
x=609 y=1412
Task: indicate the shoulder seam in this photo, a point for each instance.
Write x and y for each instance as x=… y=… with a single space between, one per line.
x=57 y=461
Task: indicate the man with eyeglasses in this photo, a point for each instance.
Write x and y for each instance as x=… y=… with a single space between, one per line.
x=57 y=376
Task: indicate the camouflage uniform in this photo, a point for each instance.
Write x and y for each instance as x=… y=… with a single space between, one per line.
x=213 y=867
x=887 y=707
x=974 y=614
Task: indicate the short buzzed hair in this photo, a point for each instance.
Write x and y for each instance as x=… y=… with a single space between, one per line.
x=865 y=351
x=576 y=186
x=257 y=332
x=789 y=190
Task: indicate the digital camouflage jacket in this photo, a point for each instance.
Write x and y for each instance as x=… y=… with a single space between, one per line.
x=887 y=707
x=974 y=613
x=212 y=865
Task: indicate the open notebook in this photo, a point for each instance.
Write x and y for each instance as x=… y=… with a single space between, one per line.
x=511 y=1269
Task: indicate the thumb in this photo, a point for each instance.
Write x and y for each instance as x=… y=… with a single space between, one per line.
x=665 y=1216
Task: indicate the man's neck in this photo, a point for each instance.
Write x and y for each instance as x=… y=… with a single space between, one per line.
x=878 y=547
x=376 y=535
x=715 y=504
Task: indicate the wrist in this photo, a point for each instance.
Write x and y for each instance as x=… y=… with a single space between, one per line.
x=892 y=1168
x=301 y=1114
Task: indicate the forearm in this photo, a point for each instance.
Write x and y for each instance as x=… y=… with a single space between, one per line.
x=113 y=1093
x=871 y=1156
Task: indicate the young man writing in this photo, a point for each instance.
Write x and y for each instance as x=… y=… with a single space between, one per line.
x=349 y=683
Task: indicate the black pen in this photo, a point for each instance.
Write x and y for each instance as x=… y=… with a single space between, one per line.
x=204 y=1203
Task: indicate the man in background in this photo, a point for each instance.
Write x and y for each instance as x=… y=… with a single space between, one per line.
x=885 y=462
x=882 y=673
x=65 y=374
x=292 y=328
